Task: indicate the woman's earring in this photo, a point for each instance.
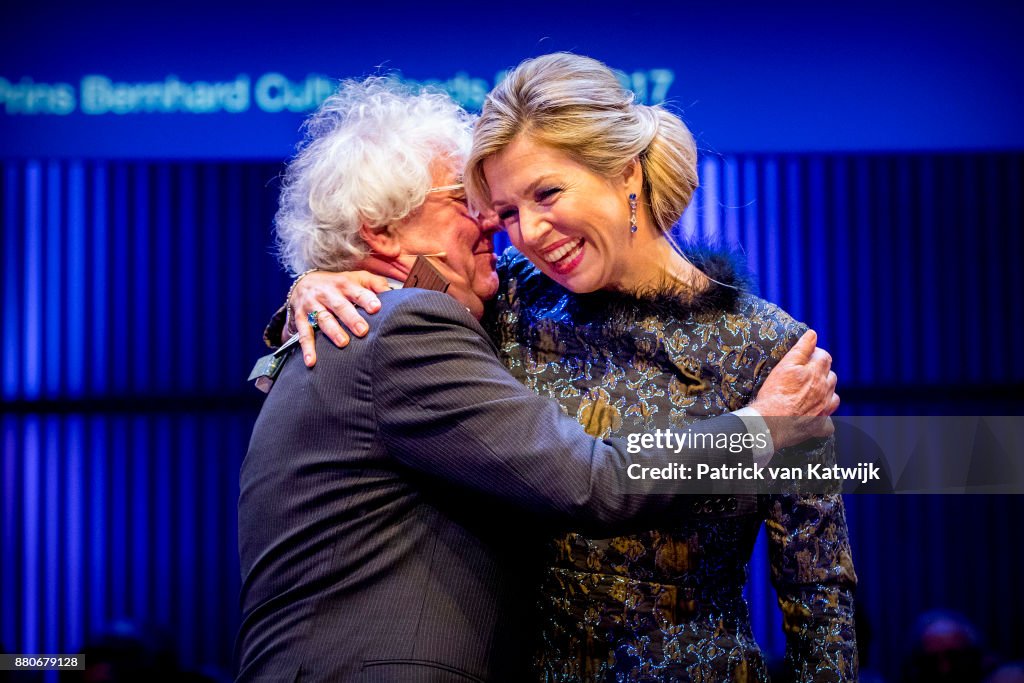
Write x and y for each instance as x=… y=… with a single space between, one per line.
x=632 y=212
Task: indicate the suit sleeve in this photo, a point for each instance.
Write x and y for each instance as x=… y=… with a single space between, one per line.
x=446 y=407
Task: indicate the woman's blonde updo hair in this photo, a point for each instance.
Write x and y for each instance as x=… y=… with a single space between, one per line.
x=577 y=105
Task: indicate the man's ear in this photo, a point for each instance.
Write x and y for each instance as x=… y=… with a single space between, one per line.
x=382 y=241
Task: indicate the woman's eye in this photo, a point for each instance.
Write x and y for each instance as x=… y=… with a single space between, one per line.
x=506 y=215
x=548 y=193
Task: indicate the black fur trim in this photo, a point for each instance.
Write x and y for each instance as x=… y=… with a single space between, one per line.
x=608 y=319
x=729 y=278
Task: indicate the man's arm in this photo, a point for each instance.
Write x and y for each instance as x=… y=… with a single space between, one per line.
x=447 y=407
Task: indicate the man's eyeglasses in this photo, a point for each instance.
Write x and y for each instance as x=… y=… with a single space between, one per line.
x=458 y=191
x=447 y=188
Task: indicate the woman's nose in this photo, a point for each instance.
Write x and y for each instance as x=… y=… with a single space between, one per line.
x=533 y=228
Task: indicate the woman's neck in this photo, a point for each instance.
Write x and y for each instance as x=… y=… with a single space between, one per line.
x=656 y=266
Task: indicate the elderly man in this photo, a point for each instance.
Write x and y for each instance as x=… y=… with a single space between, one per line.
x=391 y=494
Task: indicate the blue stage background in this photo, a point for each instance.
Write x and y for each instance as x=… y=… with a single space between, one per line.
x=868 y=160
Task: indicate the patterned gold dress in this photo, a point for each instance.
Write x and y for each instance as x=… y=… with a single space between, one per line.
x=667 y=604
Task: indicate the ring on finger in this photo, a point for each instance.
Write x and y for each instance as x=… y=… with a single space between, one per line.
x=312 y=318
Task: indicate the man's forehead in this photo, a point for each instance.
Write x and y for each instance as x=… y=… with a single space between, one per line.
x=446 y=170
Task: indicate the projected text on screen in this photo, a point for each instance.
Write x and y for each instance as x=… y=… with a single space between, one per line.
x=271 y=92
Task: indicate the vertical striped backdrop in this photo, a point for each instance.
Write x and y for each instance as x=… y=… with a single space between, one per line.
x=134 y=296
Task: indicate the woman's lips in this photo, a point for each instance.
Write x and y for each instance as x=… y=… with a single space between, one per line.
x=557 y=251
x=566 y=257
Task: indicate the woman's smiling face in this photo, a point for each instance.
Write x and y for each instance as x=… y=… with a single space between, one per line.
x=571 y=222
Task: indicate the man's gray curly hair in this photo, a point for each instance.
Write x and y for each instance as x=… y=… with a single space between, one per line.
x=366 y=160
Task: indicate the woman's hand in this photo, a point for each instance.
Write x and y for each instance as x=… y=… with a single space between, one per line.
x=337 y=293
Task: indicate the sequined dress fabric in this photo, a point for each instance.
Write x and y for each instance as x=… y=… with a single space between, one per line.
x=667 y=604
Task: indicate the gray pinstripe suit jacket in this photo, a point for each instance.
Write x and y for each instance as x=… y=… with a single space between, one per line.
x=390 y=497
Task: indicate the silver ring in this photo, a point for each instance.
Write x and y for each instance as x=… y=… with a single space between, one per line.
x=312 y=318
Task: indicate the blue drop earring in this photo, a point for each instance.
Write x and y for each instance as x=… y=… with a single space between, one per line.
x=632 y=212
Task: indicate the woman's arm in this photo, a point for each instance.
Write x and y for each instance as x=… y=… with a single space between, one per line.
x=808 y=541
x=812 y=570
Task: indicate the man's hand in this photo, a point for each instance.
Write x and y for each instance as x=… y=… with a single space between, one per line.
x=799 y=394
